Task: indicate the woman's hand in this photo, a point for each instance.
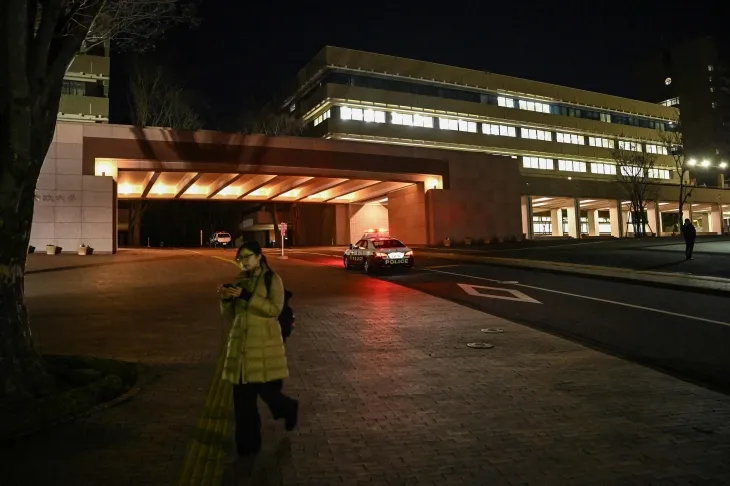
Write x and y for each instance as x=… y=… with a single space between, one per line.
x=230 y=291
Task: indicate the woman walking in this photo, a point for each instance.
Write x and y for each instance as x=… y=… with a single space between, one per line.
x=255 y=358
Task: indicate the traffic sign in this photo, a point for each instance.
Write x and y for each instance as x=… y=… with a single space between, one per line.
x=282 y=228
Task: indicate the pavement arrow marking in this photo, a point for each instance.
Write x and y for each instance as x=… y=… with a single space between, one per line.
x=515 y=295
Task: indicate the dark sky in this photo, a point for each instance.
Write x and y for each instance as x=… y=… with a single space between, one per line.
x=244 y=51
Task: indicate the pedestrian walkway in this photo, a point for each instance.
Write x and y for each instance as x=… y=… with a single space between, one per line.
x=676 y=280
x=390 y=393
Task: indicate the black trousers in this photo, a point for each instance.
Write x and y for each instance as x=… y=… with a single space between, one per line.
x=248 y=421
x=688 y=247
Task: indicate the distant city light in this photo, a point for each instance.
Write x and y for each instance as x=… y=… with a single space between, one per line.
x=692 y=162
x=723 y=165
x=705 y=163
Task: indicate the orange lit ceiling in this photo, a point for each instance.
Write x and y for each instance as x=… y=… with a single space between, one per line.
x=253 y=187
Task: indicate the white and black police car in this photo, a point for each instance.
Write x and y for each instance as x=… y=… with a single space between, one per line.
x=377 y=250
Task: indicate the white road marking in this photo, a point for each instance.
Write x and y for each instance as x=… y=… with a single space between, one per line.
x=515 y=295
x=597 y=299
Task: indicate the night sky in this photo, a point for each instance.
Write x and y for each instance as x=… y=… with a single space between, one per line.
x=243 y=52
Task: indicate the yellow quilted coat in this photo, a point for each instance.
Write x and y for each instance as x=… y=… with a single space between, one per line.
x=255 y=349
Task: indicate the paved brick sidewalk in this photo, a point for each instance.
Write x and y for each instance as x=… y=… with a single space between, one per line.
x=391 y=395
x=156 y=309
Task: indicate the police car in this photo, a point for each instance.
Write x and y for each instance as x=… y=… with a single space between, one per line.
x=378 y=250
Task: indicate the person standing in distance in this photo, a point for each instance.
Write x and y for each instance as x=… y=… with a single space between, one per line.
x=255 y=362
x=690 y=235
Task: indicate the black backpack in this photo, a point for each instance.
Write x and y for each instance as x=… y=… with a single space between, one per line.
x=286 y=318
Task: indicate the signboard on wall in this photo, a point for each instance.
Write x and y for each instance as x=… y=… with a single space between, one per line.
x=58 y=198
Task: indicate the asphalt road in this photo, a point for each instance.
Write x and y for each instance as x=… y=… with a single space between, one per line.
x=711 y=254
x=683 y=333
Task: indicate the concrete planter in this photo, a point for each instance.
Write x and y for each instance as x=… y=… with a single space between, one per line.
x=85 y=250
x=31 y=249
x=447 y=242
x=53 y=250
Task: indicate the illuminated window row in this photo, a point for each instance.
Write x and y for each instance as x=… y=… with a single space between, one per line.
x=605 y=169
x=571 y=138
x=601 y=142
x=377 y=116
x=411 y=120
x=506 y=102
x=656 y=149
x=537 y=163
x=322 y=118
x=632 y=146
x=534 y=134
x=457 y=125
x=502 y=130
x=659 y=174
x=571 y=166
x=534 y=106
x=368 y=115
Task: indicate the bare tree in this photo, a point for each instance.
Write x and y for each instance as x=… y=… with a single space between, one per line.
x=273 y=124
x=38 y=41
x=156 y=101
x=633 y=169
x=674 y=140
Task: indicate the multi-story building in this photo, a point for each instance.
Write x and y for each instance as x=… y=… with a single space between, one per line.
x=561 y=138
x=694 y=76
x=85 y=92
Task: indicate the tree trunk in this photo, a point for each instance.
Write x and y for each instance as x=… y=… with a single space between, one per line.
x=22 y=370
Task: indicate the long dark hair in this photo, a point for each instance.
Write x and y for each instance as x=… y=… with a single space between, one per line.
x=255 y=248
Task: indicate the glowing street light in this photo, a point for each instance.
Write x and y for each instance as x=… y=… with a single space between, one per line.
x=723 y=165
x=692 y=162
x=705 y=163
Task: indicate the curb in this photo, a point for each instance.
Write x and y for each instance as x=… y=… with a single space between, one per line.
x=141 y=379
x=629 y=276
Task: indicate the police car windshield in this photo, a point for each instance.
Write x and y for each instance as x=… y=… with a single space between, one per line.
x=387 y=244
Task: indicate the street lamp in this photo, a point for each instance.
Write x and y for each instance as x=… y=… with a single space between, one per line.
x=705 y=163
x=692 y=162
x=723 y=165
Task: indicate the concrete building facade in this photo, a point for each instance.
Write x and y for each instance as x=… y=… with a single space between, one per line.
x=85 y=90
x=432 y=152
x=561 y=140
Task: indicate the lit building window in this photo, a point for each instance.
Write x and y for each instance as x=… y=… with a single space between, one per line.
x=502 y=130
x=374 y=116
x=571 y=138
x=571 y=166
x=534 y=134
x=358 y=114
x=605 y=169
x=600 y=142
x=659 y=174
x=537 y=163
x=534 y=106
x=632 y=146
x=458 y=125
x=631 y=171
x=656 y=149
x=321 y=118
x=411 y=120
x=606 y=117
x=506 y=102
